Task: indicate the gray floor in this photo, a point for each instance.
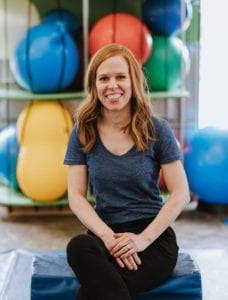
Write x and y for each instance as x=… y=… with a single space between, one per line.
x=203 y=235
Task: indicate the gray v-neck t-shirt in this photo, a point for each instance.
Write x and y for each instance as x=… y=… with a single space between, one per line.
x=126 y=187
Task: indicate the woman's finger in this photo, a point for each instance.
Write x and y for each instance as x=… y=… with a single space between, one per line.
x=119 y=262
x=136 y=258
x=130 y=263
x=120 y=248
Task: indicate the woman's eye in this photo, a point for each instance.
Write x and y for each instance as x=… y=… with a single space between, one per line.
x=103 y=78
x=121 y=77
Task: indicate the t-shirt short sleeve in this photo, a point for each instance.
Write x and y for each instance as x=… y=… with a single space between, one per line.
x=167 y=148
x=74 y=154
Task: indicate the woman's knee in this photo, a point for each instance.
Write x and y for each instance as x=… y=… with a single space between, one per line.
x=75 y=248
x=79 y=246
x=77 y=241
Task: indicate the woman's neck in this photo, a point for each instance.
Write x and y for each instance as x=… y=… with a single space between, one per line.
x=115 y=119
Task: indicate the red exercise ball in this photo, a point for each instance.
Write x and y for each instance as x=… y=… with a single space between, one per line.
x=162 y=184
x=125 y=29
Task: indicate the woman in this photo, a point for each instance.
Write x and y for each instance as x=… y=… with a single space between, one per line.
x=119 y=147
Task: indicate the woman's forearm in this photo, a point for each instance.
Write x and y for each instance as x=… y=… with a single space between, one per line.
x=167 y=215
x=89 y=218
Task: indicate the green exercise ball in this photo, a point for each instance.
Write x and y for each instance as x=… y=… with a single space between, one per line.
x=168 y=63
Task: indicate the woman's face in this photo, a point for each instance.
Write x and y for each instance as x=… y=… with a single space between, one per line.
x=113 y=83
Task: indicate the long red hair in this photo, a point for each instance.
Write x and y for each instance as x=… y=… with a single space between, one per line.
x=140 y=127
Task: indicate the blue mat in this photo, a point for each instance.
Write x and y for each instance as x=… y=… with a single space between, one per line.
x=45 y=275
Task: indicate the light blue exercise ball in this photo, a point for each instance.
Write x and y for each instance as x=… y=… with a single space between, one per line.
x=8 y=155
x=46 y=60
x=206 y=164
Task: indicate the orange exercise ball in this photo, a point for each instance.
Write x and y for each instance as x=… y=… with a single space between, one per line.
x=43 y=131
x=125 y=29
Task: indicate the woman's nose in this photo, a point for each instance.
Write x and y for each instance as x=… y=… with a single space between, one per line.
x=112 y=84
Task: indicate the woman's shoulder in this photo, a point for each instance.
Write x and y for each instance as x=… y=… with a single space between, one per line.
x=162 y=128
x=75 y=130
x=159 y=122
x=74 y=134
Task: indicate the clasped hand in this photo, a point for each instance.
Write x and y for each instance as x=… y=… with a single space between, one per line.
x=125 y=247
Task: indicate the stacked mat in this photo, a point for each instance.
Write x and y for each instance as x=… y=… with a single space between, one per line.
x=45 y=275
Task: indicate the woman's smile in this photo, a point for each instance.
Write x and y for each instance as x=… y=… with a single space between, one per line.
x=114 y=96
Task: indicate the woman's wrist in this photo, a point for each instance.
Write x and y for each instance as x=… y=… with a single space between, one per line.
x=147 y=237
x=105 y=235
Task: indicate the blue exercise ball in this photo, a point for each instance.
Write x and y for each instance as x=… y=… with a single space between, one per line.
x=8 y=155
x=46 y=59
x=65 y=16
x=206 y=164
x=165 y=17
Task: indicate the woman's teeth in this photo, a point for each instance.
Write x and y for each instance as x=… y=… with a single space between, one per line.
x=113 y=96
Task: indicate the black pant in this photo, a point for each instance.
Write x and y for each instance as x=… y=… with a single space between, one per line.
x=100 y=276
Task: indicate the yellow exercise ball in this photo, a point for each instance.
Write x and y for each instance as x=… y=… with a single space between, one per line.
x=43 y=131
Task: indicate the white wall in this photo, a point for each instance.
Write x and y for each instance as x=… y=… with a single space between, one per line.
x=213 y=85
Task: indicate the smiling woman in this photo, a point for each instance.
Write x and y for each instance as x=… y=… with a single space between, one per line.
x=119 y=146
x=213 y=64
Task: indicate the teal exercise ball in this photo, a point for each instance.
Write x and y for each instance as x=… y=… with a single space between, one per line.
x=46 y=60
x=168 y=63
x=206 y=164
x=8 y=155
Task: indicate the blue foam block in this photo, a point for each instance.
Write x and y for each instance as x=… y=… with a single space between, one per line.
x=52 y=278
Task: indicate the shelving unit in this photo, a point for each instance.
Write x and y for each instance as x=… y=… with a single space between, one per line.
x=11 y=198
x=11 y=92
